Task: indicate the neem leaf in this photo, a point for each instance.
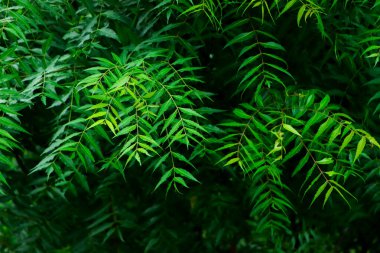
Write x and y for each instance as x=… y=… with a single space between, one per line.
x=291 y=129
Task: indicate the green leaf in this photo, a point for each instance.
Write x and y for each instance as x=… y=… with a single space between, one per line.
x=291 y=129
x=232 y=161
x=2 y=178
x=98 y=106
x=338 y=186
x=300 y=14
x=126 y=130
x=241 y=114
x=180 y=181
x=317 y=117
x=346 y=141
x=240 y=38
x=109 y=234
x=328 y=193
x=280 y=69
x=326 y=161
x=101 y=121
x=324 y=102
x=137 y=156
x=373 y=140
x=164 y=178
x=174 y=129
x=249 y=60
x=110 y=126
x=273 y=45
x=260 y=126
x=288 y=6
x=250 y=74
x=7 y=135
x=82 y=181
x=164 y=108
x=319 y=191
x=341 y=187
x=360 y=147
x=335 y=133
x=109 y=33
x=232 y=124
x=98 y=114
x=323 y=127
x=101 y=228
x=185 y=174
x=182 y=158
x=11 y=124
x=191 y=112
x=160 y=161
x=5 y=160
x=301 y=164
x=294 y=151
x=227 y=156
x=148 y=139
x=333 y=173
x=312 y=183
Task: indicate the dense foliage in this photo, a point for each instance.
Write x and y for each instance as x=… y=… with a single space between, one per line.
x=189 y=126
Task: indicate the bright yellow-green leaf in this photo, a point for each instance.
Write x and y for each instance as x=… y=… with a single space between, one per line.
x=149 y=95
x=110 y=126
x=137 y=157
x=333 y=173
x=326 y=160
x=346 y=141
x=115 y=112
x=101 y=121
x=97 y=106
x=288 y=6
x=328 y=193
x=226 y=157
x=360 y=147
x=291 y=129
x=113 y=121
x=131 y=93
x=232 y=161
x=300 y=13
x=373 y=141
x=97 y=115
